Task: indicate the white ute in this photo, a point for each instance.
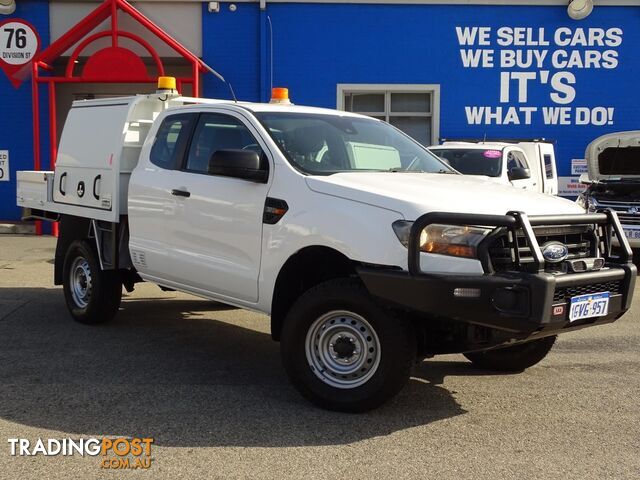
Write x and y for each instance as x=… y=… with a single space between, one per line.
x=367 y=251
x=530 y=164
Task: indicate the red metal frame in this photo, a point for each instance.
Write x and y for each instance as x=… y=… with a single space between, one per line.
x=102 y=69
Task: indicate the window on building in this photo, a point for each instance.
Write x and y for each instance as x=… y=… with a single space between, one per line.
x=414 y=109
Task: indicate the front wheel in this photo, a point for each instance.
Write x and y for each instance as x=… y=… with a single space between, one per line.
x=513 y=359
x=93 y=295
x=344 y=352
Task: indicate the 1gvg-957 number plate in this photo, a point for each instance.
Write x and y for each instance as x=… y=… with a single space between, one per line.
x=588 y=306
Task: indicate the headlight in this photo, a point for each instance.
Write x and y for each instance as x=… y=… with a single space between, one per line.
x=454 y=240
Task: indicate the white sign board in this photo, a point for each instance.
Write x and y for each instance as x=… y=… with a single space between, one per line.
x=18 y=43
x=4 y=165
x=570 y=186
x=578 y=166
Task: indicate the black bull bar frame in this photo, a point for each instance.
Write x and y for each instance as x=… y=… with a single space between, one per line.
x=521 y=302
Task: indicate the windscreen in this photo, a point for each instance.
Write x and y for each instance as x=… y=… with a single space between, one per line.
x=473 y=161
x=619 y=161
x=324 y=144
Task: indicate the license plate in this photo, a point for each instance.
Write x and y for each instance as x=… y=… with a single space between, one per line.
x=632 y=233
x=588 y=306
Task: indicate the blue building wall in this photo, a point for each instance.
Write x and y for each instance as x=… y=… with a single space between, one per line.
x=231 y=45
x=317 y=46
x=16 y=119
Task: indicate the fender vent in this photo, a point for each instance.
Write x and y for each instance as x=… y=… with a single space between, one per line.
x=274 y=210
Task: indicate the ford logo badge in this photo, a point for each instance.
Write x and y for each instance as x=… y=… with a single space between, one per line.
x=554 y=252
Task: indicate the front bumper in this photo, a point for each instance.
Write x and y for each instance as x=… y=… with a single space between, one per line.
x=523 y=303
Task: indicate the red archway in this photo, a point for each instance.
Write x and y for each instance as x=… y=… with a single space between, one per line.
x=111 y=64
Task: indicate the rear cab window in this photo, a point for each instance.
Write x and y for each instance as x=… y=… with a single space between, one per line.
x=171 y=140
x=548 y=166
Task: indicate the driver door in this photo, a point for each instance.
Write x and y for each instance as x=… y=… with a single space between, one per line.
x=220 y=248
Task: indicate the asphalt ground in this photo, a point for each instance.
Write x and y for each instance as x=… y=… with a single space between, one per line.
x=206 y=383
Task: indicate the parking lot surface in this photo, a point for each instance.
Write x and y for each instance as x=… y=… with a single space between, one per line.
x=205 y=382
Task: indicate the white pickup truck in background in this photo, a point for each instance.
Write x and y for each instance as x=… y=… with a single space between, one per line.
x=367 y=251
x=530 y=164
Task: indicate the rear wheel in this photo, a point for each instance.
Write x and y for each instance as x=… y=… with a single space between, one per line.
x=342 y=351
x=93 y=295
x=513 y=359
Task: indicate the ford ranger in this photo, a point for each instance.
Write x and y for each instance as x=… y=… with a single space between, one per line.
x=367 y=251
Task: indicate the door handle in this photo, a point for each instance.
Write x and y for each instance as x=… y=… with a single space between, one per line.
x=62 y=177
x=180 y=193
x=95 y=182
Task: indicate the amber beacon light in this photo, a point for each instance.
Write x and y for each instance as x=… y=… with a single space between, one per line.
x=280 y=95
x=166 y=83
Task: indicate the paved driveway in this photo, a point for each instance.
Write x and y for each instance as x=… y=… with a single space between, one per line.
x=205 y=381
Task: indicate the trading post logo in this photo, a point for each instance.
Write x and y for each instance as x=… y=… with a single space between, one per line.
x=115 y=453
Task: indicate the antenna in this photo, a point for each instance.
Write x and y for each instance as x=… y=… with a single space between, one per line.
x=270 y=53
x=221 y=78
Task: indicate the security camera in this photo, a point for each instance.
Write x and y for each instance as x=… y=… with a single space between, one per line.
x=579 y=9
x=7 y=7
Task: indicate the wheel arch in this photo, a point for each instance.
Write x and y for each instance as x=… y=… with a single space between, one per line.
x=304 y=269
x=71 y=228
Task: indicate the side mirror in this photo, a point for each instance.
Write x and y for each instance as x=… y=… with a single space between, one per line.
x=518 y=173
x=584 y=178
x=245 y=164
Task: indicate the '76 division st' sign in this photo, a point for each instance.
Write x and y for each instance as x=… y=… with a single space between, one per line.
x=19 y=43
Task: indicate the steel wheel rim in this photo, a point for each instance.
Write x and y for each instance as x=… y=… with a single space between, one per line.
x=342 y=349
x=81 y=283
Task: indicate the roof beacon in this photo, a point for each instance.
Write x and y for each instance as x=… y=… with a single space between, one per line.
x=166 y=85
x=280 y=95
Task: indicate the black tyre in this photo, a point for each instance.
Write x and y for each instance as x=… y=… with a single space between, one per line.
x=93 y=295
x=344 y=352
x=513 y=359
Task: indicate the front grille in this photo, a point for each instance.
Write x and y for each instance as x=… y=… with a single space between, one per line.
x=580 y=241
x=629 y=218
x=622 y=209
x=563 y=294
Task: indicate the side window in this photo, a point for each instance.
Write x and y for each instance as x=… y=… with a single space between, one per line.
x=216 y=131
x=548 y=165
x=516 y=160
x=170 y=142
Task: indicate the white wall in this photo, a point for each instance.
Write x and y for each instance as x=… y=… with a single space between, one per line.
x=181 y=20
